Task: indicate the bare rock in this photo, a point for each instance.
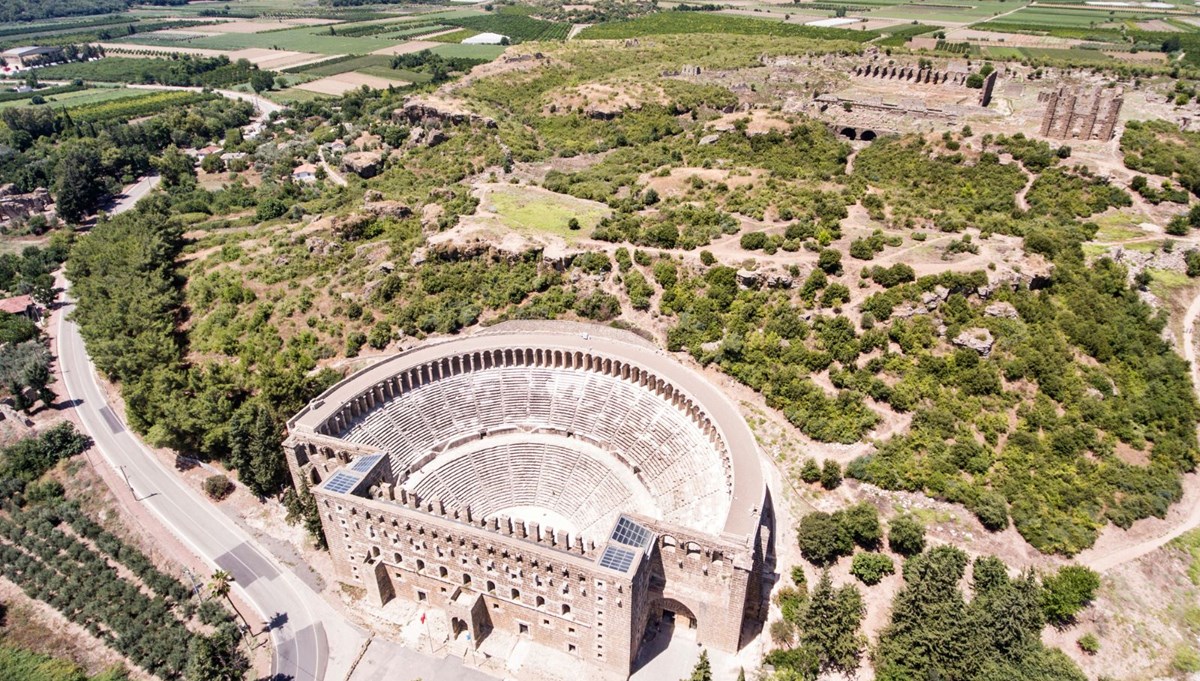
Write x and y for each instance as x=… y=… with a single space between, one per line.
x=709 y=139
x=747 y=278
x=388 y=209
x=1002 y=310
x=365 y=164
x=430 y=215
x=978 y=339
x=320 y=246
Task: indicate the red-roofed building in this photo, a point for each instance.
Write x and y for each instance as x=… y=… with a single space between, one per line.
x=22 y=305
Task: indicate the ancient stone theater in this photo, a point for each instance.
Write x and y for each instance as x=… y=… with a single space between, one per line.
x=566 y=482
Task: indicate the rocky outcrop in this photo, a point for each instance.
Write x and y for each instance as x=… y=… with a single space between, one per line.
x=436 y=112
x=426 y=137
x=365 y=164
x=431 y=216
x=978 y=339
x=320 y=246
x=388 y=208
x=1002 y=310
x=747 y=279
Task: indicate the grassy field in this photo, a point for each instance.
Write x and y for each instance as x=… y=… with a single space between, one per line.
x=1052 y=17
x=935 y=11
x=306 y=39
x=71 y=99
x=667 y=23
x=1121 y=226
x=488 y=52
x=355 y=64
x=539 y=211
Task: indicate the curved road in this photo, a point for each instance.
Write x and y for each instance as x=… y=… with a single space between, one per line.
x=279 y=596
x=301 y=621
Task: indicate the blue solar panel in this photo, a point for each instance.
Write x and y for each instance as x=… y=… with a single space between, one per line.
x=630 y=533
x=366 y=463
x=616 y=558
x=341 y=483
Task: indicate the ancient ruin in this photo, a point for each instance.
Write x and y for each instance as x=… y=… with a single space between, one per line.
x=1072 y=113
x=565 y=482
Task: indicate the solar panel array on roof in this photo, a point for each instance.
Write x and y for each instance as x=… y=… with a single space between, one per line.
x=616 y=558
x=366 y=463
x=630 y=533
x=341 y=483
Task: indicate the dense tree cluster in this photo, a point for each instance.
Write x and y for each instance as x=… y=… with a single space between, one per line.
x=1160 y=147
x=84 y=163
x=130 y=302
x=935 y=633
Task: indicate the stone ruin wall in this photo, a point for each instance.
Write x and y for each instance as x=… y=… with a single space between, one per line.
x=1074 y=114
x=504 y=574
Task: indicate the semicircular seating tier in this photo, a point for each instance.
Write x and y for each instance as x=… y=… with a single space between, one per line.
x=584 y=440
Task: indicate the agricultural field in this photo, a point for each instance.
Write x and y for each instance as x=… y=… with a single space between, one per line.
x=79 y=98
x=667 y=23
x=1055 y=17
x=517 y=26
x=126 y=108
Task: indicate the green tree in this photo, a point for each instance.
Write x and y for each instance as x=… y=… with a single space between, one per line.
x=175 y=167
x=906 y=535
x=1067 y=592
x=822 y=538
x=217 y=657
x=830 y=626
x=261 y=80
x=77 y=188
x=810 y=472
x=256 y=448
x=831 y=474
x=861 y=522
x=25 y=368
x=703 y=669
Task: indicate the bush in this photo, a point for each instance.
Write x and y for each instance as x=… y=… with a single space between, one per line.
x=217 y=487
x=906 y=535
x=831 y=474
x=861 y=522
x=871 y=568
x=1089 y=644
x=1067 y=592
x=810 y=472
x=822 y=539
x=798 y=577
x=992 y=511
x=830 y=261
x=754 y=241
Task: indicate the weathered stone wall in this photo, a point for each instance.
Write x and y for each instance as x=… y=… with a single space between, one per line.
x=1073 y=114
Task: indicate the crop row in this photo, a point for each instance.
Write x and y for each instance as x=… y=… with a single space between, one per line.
x=133 y=107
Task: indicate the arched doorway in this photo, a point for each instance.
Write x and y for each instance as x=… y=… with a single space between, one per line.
x=849 y=133
x=457 y=627
x=677 y=618
x=867 y=135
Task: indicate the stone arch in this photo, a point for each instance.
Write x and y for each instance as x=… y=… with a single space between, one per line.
x=867 y=135
x=848 y=133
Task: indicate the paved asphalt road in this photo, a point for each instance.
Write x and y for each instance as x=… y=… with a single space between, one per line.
x=299 y=616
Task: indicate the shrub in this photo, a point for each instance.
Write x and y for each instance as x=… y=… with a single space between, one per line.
x=831 y=474
x=798 y=577
x=1089 y=644
x=861 y=522
x=992 y=511
x=707 y=258
x=830 y=261
x=217 y=487
x=871 y=568
x=822 y=539
x=754 y=241
x=810 y=472
x=906 y=535
x=1067 y=592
